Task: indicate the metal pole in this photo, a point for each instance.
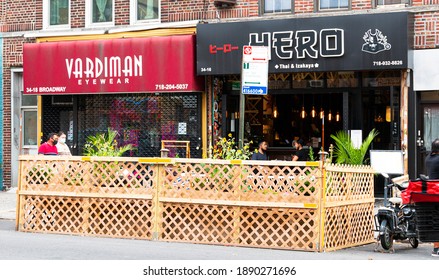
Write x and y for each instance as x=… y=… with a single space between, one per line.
x=241 y=121
x=323 y=138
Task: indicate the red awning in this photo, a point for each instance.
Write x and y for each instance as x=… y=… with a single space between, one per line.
x=156 y=64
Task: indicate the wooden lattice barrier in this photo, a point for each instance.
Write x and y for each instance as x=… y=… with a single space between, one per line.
x=349 y=204
x=269 y=204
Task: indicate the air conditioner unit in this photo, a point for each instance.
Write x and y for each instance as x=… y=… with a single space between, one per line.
x=224 y=3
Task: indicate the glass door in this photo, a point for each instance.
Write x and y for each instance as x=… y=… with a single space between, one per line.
x=430 y=131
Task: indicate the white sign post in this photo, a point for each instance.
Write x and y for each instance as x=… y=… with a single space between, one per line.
x=254 y=74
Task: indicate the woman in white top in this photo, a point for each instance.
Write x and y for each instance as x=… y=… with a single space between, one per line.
x=63 y=149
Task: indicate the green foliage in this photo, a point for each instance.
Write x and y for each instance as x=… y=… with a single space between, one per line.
x=311 y=154
x=346 y=153
x=105 y=144
x=227 y=149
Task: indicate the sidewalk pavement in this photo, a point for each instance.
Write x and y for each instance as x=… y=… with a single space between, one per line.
x=8 y=204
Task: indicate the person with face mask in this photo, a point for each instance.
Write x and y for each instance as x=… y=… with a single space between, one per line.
x=49 y=147
x=63 y=149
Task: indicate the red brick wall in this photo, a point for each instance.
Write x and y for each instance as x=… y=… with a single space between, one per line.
x=424 y=2
x=426 y=30
x=77 y=14
x=121 y=12
x=183 y=10
x=20 y=15
x=303 y=6
x=361 y=4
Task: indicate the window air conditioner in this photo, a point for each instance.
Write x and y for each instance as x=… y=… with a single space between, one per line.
x=224 y=3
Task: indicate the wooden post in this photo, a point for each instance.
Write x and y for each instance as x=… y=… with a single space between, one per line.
x=322 y=208
x=159 y=168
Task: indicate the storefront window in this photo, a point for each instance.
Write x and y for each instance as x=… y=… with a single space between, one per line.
x=142 y=120
x=277 y=6
x=333 y=4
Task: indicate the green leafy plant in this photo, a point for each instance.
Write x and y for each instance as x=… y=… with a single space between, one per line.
x=105 y=144
x=226 y=148
x=346 y=153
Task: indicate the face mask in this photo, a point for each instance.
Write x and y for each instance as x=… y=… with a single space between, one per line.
x=55 y=142
x=62 y=140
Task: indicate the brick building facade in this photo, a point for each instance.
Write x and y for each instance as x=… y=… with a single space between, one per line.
x=22 y=21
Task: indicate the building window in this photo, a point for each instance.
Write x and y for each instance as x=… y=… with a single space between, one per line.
x=333 y=4
x=56 y=13
x=276 y=6
x=99 y=12
x=145 y=11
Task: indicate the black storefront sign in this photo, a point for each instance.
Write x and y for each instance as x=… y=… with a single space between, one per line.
x=335 y=43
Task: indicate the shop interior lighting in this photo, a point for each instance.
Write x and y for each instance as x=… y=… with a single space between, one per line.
x=329 y=116
x=303 y=113
x=275 y=112
x=322 y=113
x=313 y=111
x=337 y=117
x=388 y=114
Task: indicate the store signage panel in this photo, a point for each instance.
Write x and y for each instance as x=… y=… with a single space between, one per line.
x=254 y=73
x=157 y=64
x=335 y=43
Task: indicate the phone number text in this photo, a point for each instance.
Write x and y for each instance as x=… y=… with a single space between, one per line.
x=171 y=86
x=387 y=62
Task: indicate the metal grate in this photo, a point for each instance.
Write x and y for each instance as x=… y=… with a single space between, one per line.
x=142 y=120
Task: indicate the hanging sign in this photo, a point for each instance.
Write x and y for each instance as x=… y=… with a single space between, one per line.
x=254 y=70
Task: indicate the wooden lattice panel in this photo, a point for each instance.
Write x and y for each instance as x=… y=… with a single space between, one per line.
x=198 y=223
x=294 y=229
x=288 y=184
x=121 y=177
x=349 y=225
x=349 y=183
x=52 y=214
x=128 y=218
x=244 y=203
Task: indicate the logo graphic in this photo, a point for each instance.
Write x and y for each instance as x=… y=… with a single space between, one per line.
x=375 y=42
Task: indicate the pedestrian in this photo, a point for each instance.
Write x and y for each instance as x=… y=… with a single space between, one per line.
x=63 y=149
x=261 y=154
x=49 y=147
x=301 y=153
x=432 y=164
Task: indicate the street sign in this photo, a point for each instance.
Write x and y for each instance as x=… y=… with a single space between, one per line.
x=254 y=70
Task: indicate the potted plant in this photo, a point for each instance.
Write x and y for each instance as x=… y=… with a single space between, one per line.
x=346 y=153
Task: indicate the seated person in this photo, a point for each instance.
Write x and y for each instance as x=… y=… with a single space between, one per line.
x=261 y=154
x=302 y=154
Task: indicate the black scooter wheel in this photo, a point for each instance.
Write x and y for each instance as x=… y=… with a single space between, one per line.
x=386 y=236
x=414 y=242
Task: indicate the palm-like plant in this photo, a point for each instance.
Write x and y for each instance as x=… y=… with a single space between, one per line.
x=344 y=149
x=105 y=144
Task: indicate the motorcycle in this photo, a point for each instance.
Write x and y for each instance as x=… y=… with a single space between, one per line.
x=394 y=220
